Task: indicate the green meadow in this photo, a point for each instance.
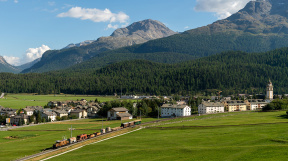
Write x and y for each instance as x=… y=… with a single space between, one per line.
x=234 y=136
x=17 y=101
x=24 y=141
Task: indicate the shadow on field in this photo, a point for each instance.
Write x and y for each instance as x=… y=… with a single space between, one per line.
x=47 y=149
x=283 y=116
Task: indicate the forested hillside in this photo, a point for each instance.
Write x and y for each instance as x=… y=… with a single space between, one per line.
x=231 y=72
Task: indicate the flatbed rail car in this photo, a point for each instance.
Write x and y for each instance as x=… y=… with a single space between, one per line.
x=81 y=137
x=97 y=133
x=137 y=122
x=90 y=136
x=60 y=143
x=72 y=140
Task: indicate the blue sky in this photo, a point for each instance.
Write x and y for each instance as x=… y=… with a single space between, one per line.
x=30 y=27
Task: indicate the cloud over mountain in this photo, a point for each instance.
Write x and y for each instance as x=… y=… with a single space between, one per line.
x=30 y=55
x=96 y=15
x=221 y=8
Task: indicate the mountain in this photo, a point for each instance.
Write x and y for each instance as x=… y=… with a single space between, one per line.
x=261 y=16
x=260 y=26
x=231 y=72
x=28 y=65
x=5 y=67
x=87 y=42
x=136 y=33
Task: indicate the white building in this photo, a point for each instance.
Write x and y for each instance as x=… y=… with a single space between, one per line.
x=269 y=91
x=210 y=107
x=49 y=116
x=168 y=110
x=256 y=104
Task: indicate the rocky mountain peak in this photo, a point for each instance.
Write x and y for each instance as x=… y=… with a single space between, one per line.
x=257 y=7
x=2 y=60
x=260 y=16
x=147 y=29
x=6 y=67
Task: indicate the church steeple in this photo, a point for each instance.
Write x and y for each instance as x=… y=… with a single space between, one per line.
x=269 y=90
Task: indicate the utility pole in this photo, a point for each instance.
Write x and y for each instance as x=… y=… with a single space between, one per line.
x=102 y=122
x=140 y=115
x=71 y=129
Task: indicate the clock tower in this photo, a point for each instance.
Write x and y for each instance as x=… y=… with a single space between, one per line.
x=269 y=91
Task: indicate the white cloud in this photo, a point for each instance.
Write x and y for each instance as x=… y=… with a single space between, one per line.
x=110 y=26
x=3 y=0
x=12 y=60
x=16 y=1
x=96 y=15
x=186 y=27
x=30 y=55
x=221 y=8
x=34 y=53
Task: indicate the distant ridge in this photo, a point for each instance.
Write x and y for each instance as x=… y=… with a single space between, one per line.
x=136 y=33
x=6 y=67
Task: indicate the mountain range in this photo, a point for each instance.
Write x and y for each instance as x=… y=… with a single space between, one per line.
x=136 y=33
x=260 y=26
x=6 y=67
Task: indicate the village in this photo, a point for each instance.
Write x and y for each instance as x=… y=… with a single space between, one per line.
x=81 y=109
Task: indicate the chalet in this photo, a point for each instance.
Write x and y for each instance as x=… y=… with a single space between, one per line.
x=8 y=112
x=168 y=110
x=29 y=111
x=19 y=119
x=79 y=113
x=210 y=107
x=92 y=111
x=61 y=113
x=49 y=116
x=119 y=113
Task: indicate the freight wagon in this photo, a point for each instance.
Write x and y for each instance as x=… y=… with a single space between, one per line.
x=60 y=143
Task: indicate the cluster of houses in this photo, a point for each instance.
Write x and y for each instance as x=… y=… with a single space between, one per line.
x=236 y=105
x=207 y=107
x=84 y=109
x=72 y=109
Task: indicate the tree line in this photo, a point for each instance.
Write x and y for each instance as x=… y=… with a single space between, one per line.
x=231 y=72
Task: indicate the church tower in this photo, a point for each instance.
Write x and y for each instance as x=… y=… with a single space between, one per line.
x=269 y=91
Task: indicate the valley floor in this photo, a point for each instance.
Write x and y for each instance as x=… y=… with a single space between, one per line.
x=231 y=136
x=17 y=101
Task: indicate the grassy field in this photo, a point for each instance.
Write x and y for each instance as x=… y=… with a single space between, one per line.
x=17 y=101
x=234 y=136
x=33 y=139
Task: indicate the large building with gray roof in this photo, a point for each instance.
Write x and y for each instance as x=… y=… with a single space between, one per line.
x=210 y=107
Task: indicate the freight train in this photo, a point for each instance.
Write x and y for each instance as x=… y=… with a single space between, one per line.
x=79 y=138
